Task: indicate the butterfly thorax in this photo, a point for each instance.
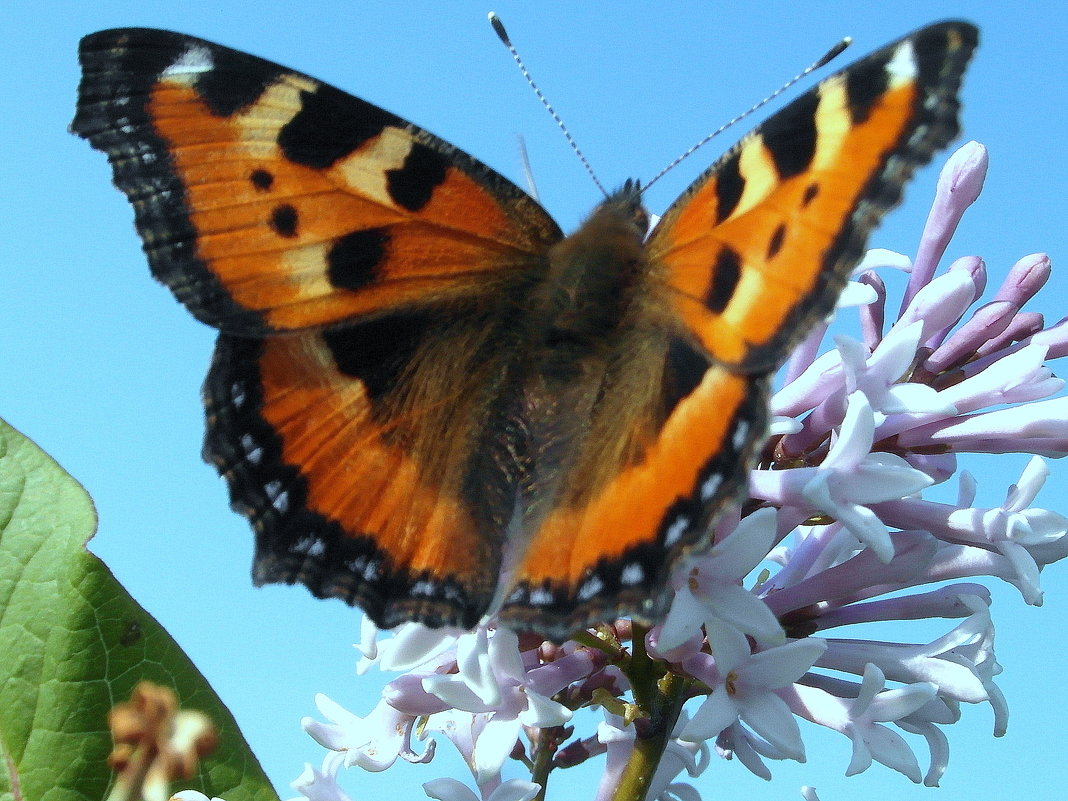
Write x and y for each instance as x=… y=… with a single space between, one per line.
x=594 y=277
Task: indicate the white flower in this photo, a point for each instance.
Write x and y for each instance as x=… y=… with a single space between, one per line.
x=713 y=590
x=743 y=687
x=852 y=478
x=321 y=785
x=452 y=790
x=374 y=743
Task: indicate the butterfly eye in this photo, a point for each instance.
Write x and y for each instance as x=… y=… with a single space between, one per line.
x=640 y=216
x=631 y=194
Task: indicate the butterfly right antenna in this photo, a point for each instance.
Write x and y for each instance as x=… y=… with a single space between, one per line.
x=834 y=52
x=498 y=26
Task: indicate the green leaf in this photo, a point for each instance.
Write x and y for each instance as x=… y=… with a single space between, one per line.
x=73 y=643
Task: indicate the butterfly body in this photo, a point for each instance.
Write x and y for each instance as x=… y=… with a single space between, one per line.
x=427 y=400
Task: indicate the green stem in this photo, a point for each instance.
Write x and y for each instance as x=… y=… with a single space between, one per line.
x=601 y=643
x=545 y=749
x=660 y=695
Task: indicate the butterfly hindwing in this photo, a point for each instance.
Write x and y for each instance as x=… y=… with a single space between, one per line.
x=352 y=477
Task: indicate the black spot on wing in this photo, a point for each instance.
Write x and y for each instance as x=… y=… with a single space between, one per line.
x=684 y=367
x=866 y=82
x=778 y=236
x=790 y=136
x=811 y=191
x=729 y=186
x=330 y=125
x=284 y=221
x=235 y=80
x=376 y=352
x=353 y=260
x=261 y=179
x=725 y=275
x=411 y=185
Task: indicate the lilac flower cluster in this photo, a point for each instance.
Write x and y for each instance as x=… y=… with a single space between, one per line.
x=835 y=504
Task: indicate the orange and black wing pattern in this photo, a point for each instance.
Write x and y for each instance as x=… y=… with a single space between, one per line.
x=738 y=270
x=427 y=401
x=353 y=264
x=759 y=247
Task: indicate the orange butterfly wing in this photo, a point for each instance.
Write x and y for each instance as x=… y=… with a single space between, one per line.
x=269 y=201
x=354 y=264
x=758 y=248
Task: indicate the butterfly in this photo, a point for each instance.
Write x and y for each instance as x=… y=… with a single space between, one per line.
x=427 y=400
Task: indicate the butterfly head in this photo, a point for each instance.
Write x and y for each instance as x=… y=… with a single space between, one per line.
x=625 y=205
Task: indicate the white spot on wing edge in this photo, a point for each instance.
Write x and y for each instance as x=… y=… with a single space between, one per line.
x=674 y=532
x=710 y=486
x=195 y=60
x=540 y=597
x=902 y=66
x=741 y=434
x=252 y=449
x=632 y=574
x=590 y=588
x=422 y=589
x=277 y=495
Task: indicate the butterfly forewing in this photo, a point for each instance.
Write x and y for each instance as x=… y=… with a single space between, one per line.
x=758 y=248
x=270 y=201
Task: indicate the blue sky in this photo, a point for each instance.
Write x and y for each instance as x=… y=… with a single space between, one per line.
x=102 y=368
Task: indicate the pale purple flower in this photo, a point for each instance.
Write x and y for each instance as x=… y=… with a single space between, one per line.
x=414 y=645
x=742 y=687
x=712 y=589
x=1014 y=529
x=848 y=481
x=374 y=743
x=736 y=741
x=959 y=184
x=492 y=681
x=861 y=717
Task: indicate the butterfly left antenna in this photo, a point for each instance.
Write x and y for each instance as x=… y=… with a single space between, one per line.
x=498 y=26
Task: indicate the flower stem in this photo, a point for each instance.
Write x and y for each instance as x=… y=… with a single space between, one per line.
x=660 y=694
x=651 y=741
x=545 y=749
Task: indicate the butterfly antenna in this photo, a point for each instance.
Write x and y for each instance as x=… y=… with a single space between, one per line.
x=498 y=26
x=822 y=61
